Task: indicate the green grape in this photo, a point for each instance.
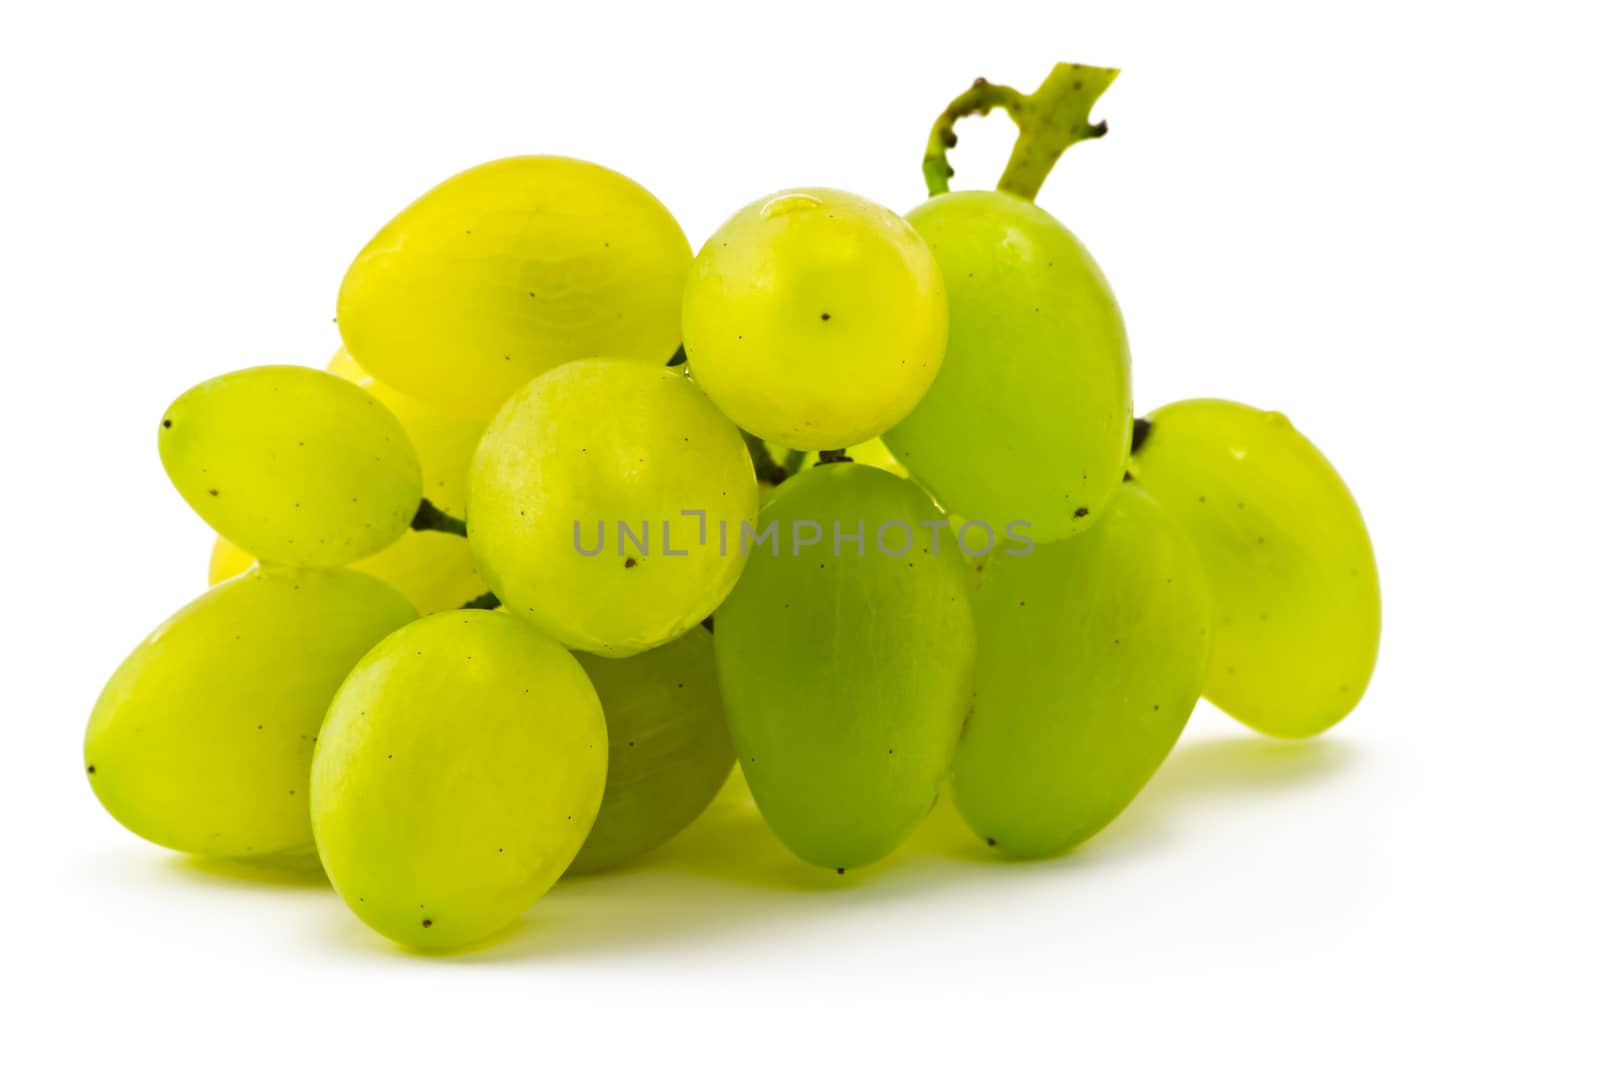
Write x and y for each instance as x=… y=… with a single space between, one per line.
x=815 y=318
x=434 y=570
x=459 y=769
x=1091 y=652
x=600 y=502
x=293 y=465
x=846 y=676
x=1291 y=566
x=202 y=739
x=507 y=270
x=1029 y=418
x=670 y=750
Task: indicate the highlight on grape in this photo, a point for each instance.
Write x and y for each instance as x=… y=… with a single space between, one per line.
x=632 y=541
x=579 y=519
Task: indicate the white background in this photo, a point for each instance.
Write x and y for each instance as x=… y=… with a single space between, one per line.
x=1378 y=217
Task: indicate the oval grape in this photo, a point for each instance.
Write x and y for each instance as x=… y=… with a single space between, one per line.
x=669 y=747
x=815 y=318
x=600 y=500
x=1029 y=418
x=459 y=769
x=1091 y=652
x=293 y=465
x=509 y=269
x=202 y=739
x=434 y=570
x=1291 y=565
x=847 y=674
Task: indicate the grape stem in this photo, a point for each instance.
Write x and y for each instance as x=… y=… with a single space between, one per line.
x=767 y=469
x=832 y=455
x=482 y=602
x=429 y=517
x=1141 y=431
x=1051 y=119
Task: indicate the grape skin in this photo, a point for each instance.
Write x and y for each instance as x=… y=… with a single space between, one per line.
x=459 y=769
x=846 y=678
x=1091 y=652
x=1030 y=415
x=508 y=269
x=1290 y=562
x=604 y=441
x=202 y=739
x=669 y=747
x=295 y=466
x=815 y=318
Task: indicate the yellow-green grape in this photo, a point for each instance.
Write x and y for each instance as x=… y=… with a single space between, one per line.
x=507 y=270
x=846 y=666
x=459 y=769
x=202 y=739
x=293 y=465
x=1030 y=416
x=1091 y=652
x=434 y=570
x=815 y=318
x=669 y=747
x=603 y=501
x=1291 y=566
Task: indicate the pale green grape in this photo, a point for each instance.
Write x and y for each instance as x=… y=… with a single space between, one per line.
x=1029 y=417
x=459 y=769
x=669 y=747
x=577 y=500
x=846 y=674
x=1290 y=563
x=1091 y=652
x=227 y=558
x=815 y=318
x=202 y=739
x=293 y=465
x=507 y=270
x=434 y=570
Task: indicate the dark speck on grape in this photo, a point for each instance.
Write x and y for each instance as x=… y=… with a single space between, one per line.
x=166 y=424
x=1080 y=513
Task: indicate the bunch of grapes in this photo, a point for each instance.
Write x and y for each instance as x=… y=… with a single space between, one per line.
x=576 y=519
